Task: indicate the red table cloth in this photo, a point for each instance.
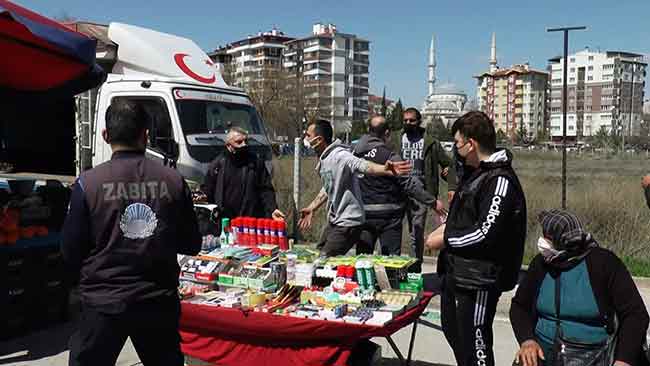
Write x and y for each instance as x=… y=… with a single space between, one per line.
x=223 y=336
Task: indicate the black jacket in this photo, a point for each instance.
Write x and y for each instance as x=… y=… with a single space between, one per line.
x=487 y=219
x=385 y=197
x=258 y=195
x=615 y=293
x=128 y=219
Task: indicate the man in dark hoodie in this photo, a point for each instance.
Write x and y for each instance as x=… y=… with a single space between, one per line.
x=425 y=155
x=384 y=198
x=482 y=241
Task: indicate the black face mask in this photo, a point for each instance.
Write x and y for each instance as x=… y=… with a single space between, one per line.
x=460 y=162
x=240 y=152
x=412 y=129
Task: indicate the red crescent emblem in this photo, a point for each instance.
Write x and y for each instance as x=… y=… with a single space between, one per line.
x=179 y=59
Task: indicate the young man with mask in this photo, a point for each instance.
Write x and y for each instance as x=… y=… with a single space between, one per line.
x=384 y=198
x=425 y=154
x=482 y=241
x=128 y=219
x=238 y=182
x=339 y=169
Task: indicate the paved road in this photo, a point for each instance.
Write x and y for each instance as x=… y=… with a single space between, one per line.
x=49 y=347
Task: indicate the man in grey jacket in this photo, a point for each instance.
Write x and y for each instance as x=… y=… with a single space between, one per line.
x=338 y=169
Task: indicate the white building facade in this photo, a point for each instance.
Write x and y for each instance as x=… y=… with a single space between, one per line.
x=335 y=68
x=244 y=60
x=604 y=90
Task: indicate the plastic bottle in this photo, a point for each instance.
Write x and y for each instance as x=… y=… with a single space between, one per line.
x=234 y=226
x=232 y=238
x=282 y=235
x=243 y=237
x=267 y=231
x=224 y=238
x=274 y=233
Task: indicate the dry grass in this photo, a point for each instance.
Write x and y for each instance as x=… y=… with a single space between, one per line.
x=603 y=191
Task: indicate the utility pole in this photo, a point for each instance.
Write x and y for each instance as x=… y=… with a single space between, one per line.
x=566 y=31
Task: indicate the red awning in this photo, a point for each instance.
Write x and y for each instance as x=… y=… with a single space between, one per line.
x=40 y=54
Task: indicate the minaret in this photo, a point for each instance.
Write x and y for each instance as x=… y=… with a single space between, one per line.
x=432 y=65
x=493 y=53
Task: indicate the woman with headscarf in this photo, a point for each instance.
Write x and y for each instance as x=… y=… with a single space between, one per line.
x=600 y=309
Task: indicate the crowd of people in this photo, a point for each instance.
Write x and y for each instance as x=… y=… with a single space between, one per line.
x=576 y=305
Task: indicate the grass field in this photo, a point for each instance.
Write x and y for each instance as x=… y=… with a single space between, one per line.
x=604 y=191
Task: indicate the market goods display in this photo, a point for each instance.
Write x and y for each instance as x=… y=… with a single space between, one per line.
x=260 y=275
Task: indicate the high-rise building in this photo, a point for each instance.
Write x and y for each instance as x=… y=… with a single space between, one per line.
x=604 y=90
x=335 y=69
x=515 y=97
x=246 y=60
x=444 y=101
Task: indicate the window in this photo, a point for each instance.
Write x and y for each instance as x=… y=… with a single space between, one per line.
x=590 y=68
x=608 y=66
x=591 y=58
x=572 y=60
x=572 y=80
x=161 y=135
x=570 y=128
x=573 y=69
x=590 y=78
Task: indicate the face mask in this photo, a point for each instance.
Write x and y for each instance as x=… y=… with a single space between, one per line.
x=547 y=251
x=240 y=151
x=411 y=129
x=459 y=158
x=307 y=142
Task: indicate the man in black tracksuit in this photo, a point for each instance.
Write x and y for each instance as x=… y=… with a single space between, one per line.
x=128 y=220
x=384 y=198
x=238 y=182
x=483 y=241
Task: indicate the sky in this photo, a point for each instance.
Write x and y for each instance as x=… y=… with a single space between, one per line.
x=400 y=31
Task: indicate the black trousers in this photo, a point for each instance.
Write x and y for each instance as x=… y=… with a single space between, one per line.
x=338 y=240
x=387 y=230
x=467 y=318
x=152 y=327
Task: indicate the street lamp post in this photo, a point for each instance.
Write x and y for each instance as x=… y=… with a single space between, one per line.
x=565 y=30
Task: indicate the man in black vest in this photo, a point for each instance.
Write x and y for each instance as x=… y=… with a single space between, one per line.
x=482 y=241
x=238 y=182
x=426 y=156
x=128 y=220
x=384 y=197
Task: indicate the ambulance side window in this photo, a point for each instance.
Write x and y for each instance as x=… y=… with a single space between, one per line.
x=161 y=135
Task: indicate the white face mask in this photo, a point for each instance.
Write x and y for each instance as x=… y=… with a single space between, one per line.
x=307 y=143
x=546 y=249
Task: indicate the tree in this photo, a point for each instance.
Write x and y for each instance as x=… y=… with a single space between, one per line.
x=395 y=116
x=501 y=137
x=383 y=103
x=439 y=131
x=522 y=134
x=395 y=122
